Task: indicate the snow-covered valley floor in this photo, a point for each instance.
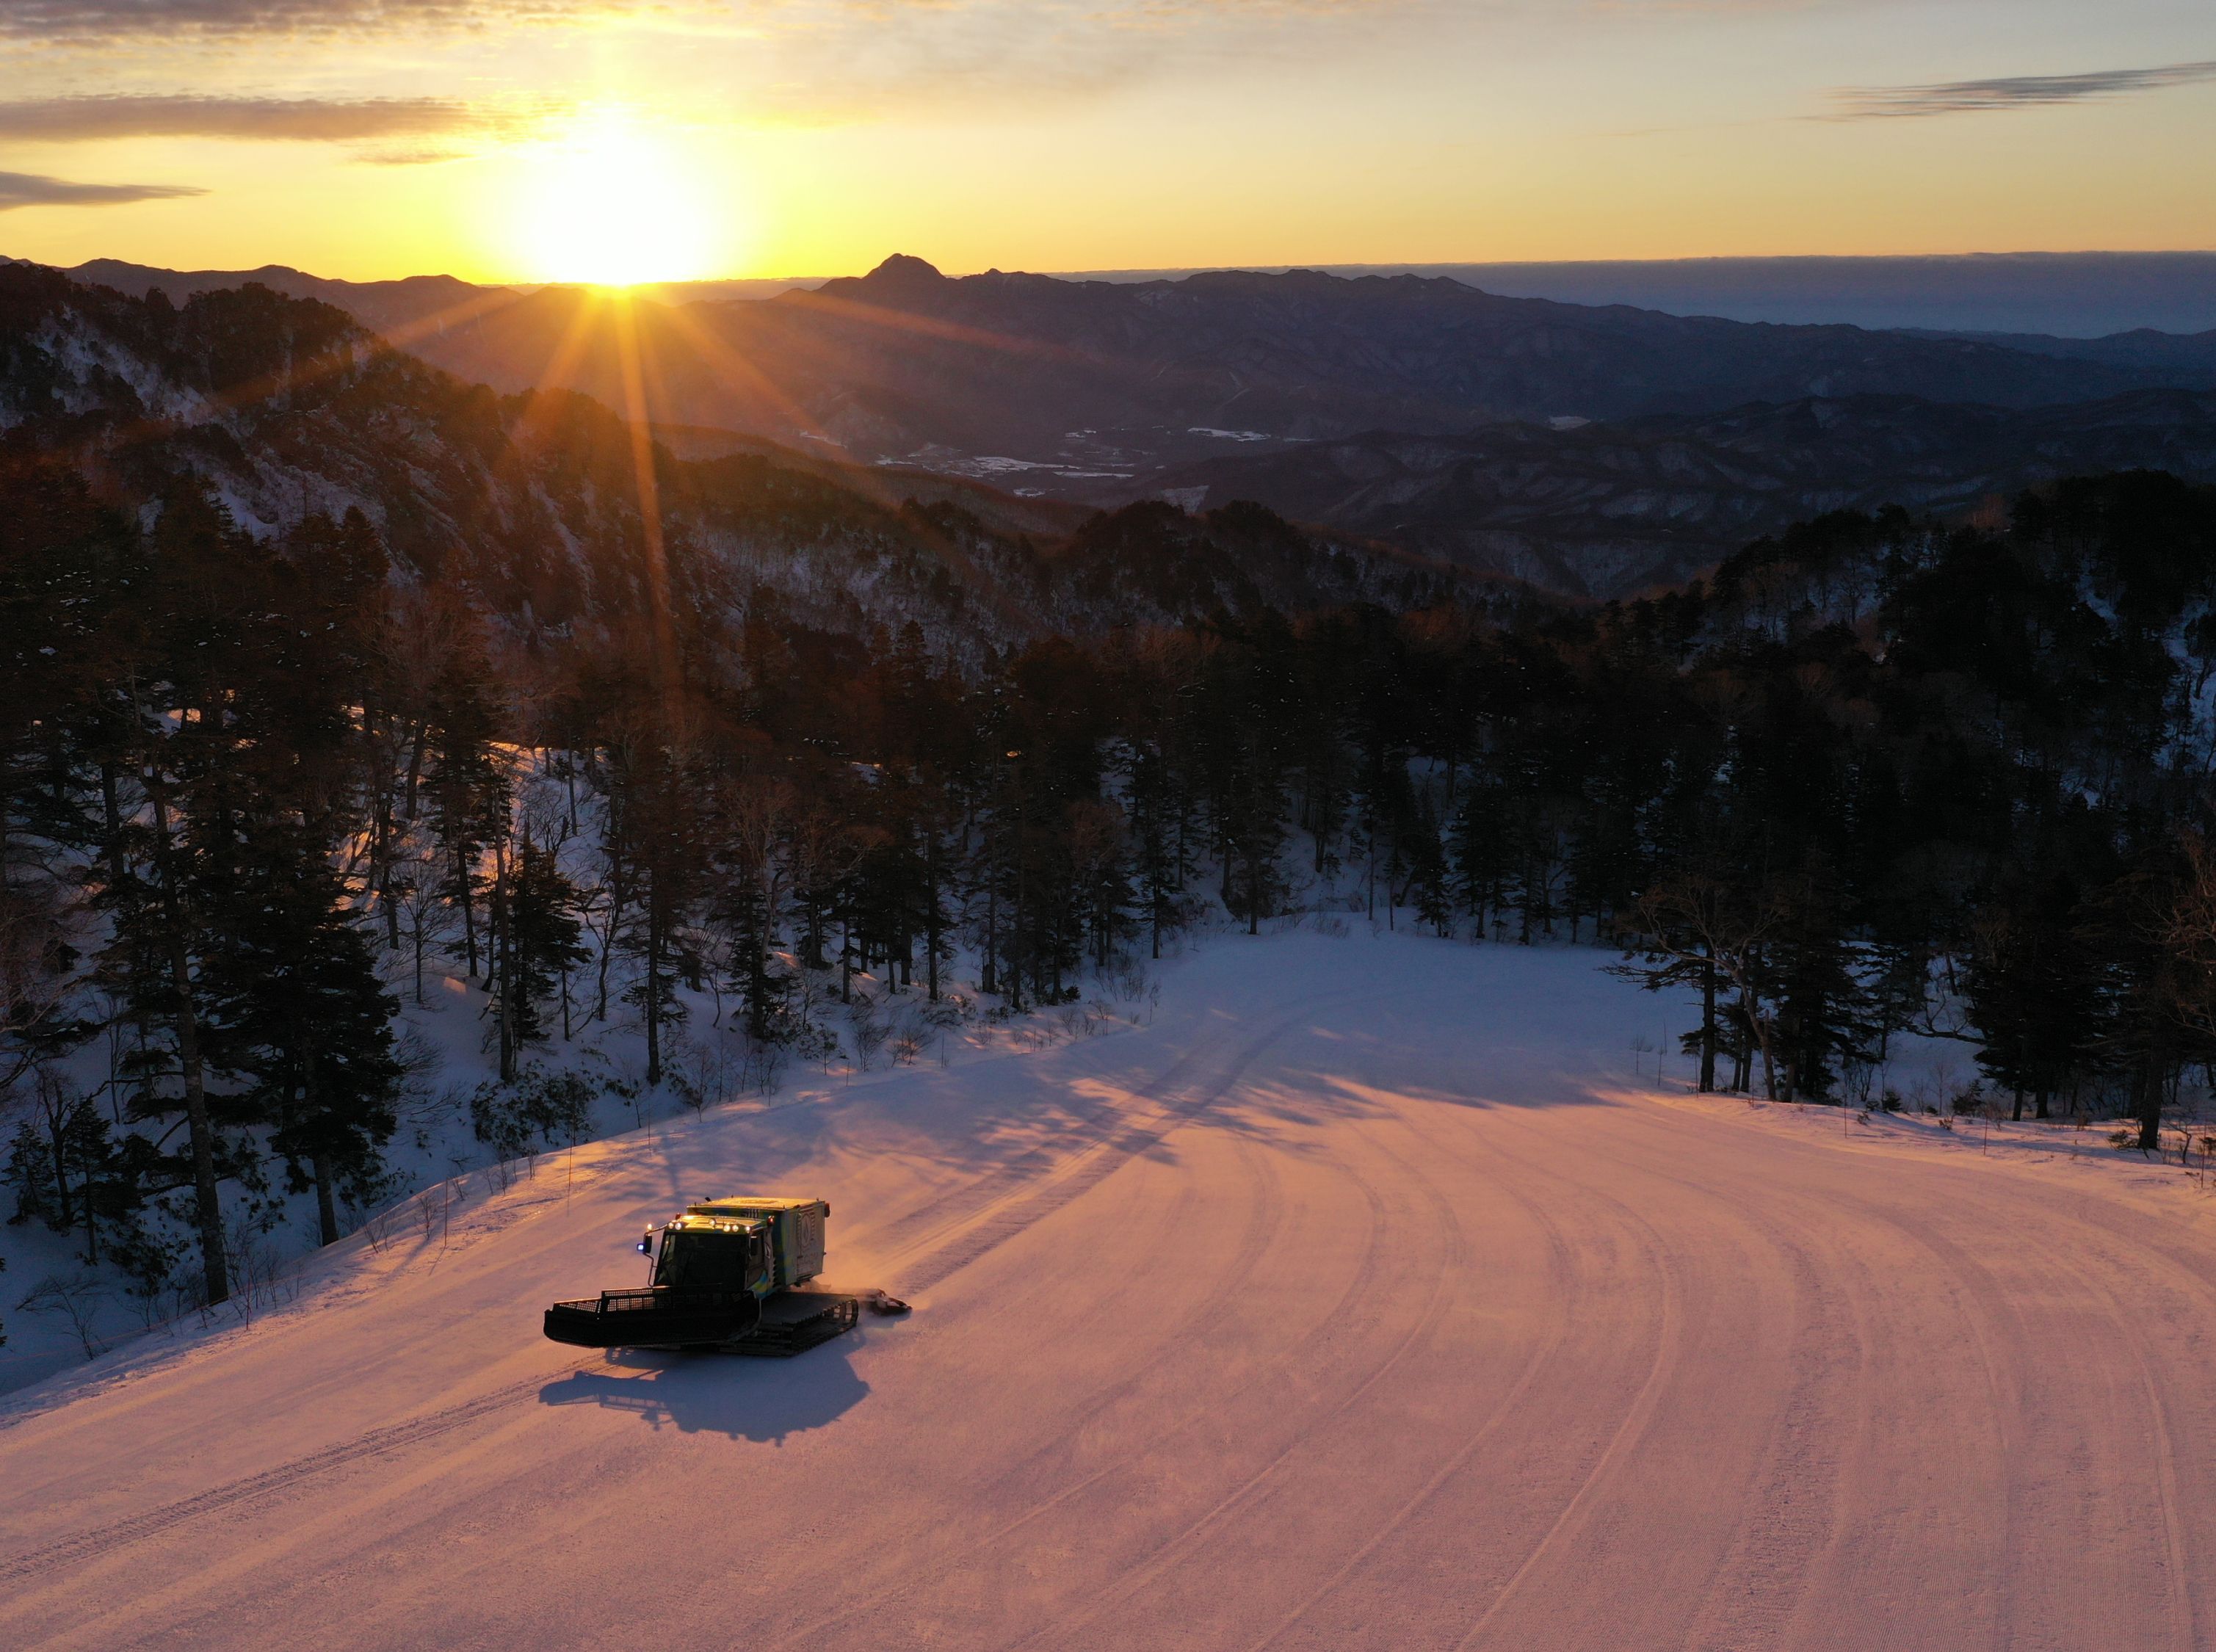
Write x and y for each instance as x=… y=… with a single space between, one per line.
x=1367 y=1299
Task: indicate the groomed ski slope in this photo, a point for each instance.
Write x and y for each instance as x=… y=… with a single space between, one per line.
x=1364 y=1300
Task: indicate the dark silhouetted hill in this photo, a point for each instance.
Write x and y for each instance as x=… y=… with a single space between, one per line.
x=1609 y=508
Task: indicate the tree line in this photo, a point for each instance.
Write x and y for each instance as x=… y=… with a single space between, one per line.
x=1875 y=777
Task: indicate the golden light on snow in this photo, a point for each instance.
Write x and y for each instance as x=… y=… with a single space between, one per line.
x=614 y=207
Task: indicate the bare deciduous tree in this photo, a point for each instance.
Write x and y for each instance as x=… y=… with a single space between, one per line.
x=1701 y=931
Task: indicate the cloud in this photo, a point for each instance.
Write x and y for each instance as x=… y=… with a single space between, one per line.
x=91 y=23
x=81 y=20
x=410 y=156
x=77 y=119
x=2013 y=92
x=805 y=60
x=30 y=189
x=839 y=60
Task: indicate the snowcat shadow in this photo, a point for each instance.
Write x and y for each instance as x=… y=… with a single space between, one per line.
x=704 y=1393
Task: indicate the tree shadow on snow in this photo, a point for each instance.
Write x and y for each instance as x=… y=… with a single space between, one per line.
x=761 y=1400
x=1312 y=1096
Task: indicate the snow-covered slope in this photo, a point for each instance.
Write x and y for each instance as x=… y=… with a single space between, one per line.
x=1368 y=1298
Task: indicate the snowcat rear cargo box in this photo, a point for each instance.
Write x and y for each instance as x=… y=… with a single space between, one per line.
x=654 y=1316
x=796 y=1228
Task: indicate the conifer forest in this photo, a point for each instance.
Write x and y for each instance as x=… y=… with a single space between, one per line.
x=1873 y=777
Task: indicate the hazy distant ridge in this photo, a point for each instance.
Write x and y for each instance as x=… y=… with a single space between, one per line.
x=2071 y=295
x=1592 y=449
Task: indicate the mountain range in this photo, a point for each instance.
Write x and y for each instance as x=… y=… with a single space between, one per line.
x=1593 y=450
x=546 y=508
x=905 y=363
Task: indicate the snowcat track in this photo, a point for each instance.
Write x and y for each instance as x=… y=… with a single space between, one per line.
x=775 y=1336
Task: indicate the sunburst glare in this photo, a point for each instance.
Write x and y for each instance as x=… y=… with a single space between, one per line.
x=615 y=208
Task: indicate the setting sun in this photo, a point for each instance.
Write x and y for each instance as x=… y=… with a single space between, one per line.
x=615 y=208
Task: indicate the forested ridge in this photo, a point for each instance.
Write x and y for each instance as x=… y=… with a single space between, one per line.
x=1874 y=778
x=551 y=513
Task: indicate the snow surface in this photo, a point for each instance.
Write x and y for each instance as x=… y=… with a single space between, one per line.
x=1368 y=1298
x=446 y=1034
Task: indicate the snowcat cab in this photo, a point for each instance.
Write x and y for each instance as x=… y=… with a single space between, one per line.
x=725 y=1280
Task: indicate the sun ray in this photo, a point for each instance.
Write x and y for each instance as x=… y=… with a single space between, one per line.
x=649 y=496
x=858 y=477
x=535 y=415
x=296 y=375
x=932 y=327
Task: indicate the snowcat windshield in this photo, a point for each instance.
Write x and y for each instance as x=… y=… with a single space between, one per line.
x=703 y=1261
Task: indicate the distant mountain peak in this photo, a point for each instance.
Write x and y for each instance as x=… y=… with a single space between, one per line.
x=901 y=270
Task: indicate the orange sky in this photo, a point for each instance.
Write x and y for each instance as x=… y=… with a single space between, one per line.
x=539 y=139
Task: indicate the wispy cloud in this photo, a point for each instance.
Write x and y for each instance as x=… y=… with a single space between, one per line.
x=78 y=120
x=837 y=60
x=80 y=21
x=805 y=60
x=2009 y=92
x=30 y=189
x=969 y=27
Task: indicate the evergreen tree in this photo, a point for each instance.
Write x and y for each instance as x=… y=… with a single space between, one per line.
x=545 y=938
x=297 y=1010
x=2027 y=992
x=468 y=787
x=1823 y=1017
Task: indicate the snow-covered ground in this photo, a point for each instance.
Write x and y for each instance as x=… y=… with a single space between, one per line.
x=1375 y=1295
x=444 y=1032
